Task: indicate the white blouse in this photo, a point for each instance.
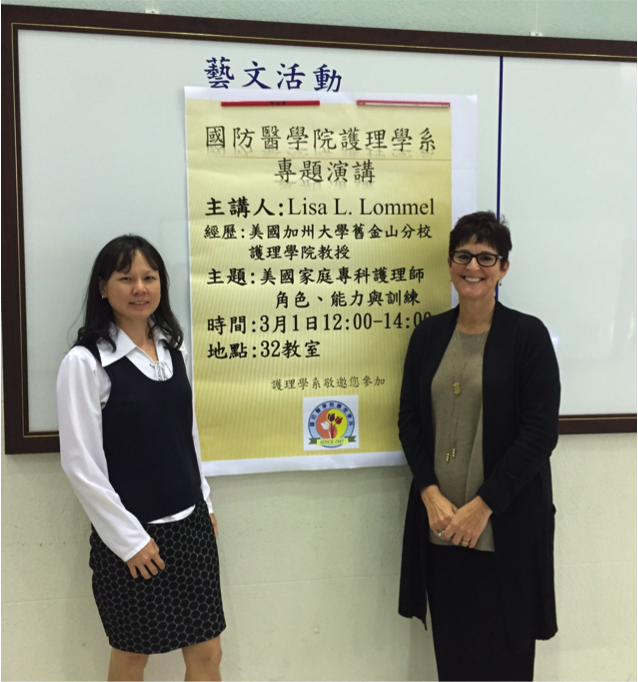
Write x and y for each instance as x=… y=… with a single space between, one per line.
x=83 y=388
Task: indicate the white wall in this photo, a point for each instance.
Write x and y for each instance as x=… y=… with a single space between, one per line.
x=310 y=574
x=310 y=561
x=601 y=19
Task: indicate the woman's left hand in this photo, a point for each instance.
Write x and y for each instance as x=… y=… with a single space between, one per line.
x=468 y=523
x=213 y=520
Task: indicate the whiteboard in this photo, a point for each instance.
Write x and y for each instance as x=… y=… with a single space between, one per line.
x=103 y=153
x=569 y=191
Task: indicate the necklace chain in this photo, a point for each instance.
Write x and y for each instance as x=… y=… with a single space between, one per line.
x=458 y=390
x=456 y=385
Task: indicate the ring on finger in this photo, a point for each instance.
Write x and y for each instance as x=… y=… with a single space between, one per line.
x=465 y=543
x=441 y=533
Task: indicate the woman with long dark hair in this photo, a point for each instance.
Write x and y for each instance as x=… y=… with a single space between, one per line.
x=478 y=423
x=129 y=446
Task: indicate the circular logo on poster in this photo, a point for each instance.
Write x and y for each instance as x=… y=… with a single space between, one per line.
x=331 y=424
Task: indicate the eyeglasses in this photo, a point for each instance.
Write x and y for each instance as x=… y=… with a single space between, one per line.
x=485 y=259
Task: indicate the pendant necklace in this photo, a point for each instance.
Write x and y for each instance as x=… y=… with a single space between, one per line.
x=457 y=387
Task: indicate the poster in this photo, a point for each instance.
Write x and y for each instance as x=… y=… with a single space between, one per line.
x=318 y=241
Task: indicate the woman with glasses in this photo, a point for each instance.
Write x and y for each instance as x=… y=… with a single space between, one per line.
x=478 y=422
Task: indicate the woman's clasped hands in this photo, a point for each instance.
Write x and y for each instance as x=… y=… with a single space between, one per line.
x=461 y=526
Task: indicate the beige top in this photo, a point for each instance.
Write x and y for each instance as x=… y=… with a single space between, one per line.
x=458 y=425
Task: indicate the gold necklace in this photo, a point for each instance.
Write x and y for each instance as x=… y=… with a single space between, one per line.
x=457 y=388
x=456 y=385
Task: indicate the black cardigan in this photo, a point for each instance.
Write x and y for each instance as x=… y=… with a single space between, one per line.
x=521 y=394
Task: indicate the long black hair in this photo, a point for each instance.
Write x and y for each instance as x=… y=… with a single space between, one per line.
x=118 y=255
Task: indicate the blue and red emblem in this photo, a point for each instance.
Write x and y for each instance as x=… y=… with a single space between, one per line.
x=331 y=425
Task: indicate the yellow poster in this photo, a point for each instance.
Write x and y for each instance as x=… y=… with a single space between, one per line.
x=318 y=241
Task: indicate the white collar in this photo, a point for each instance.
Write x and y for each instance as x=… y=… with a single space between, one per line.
x=123 y=345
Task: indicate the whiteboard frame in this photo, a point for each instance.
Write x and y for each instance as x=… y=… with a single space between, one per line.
x=19 y=438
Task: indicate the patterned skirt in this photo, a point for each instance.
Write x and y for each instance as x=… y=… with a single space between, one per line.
x=180 y=606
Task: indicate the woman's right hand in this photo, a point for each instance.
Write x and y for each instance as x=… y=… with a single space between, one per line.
x=440 y=510
x=147 y=562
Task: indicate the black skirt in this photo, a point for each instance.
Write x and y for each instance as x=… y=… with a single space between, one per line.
x=180 y=606
x=468 y=626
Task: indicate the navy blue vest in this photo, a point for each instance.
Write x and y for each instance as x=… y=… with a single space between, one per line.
x=148 y=439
